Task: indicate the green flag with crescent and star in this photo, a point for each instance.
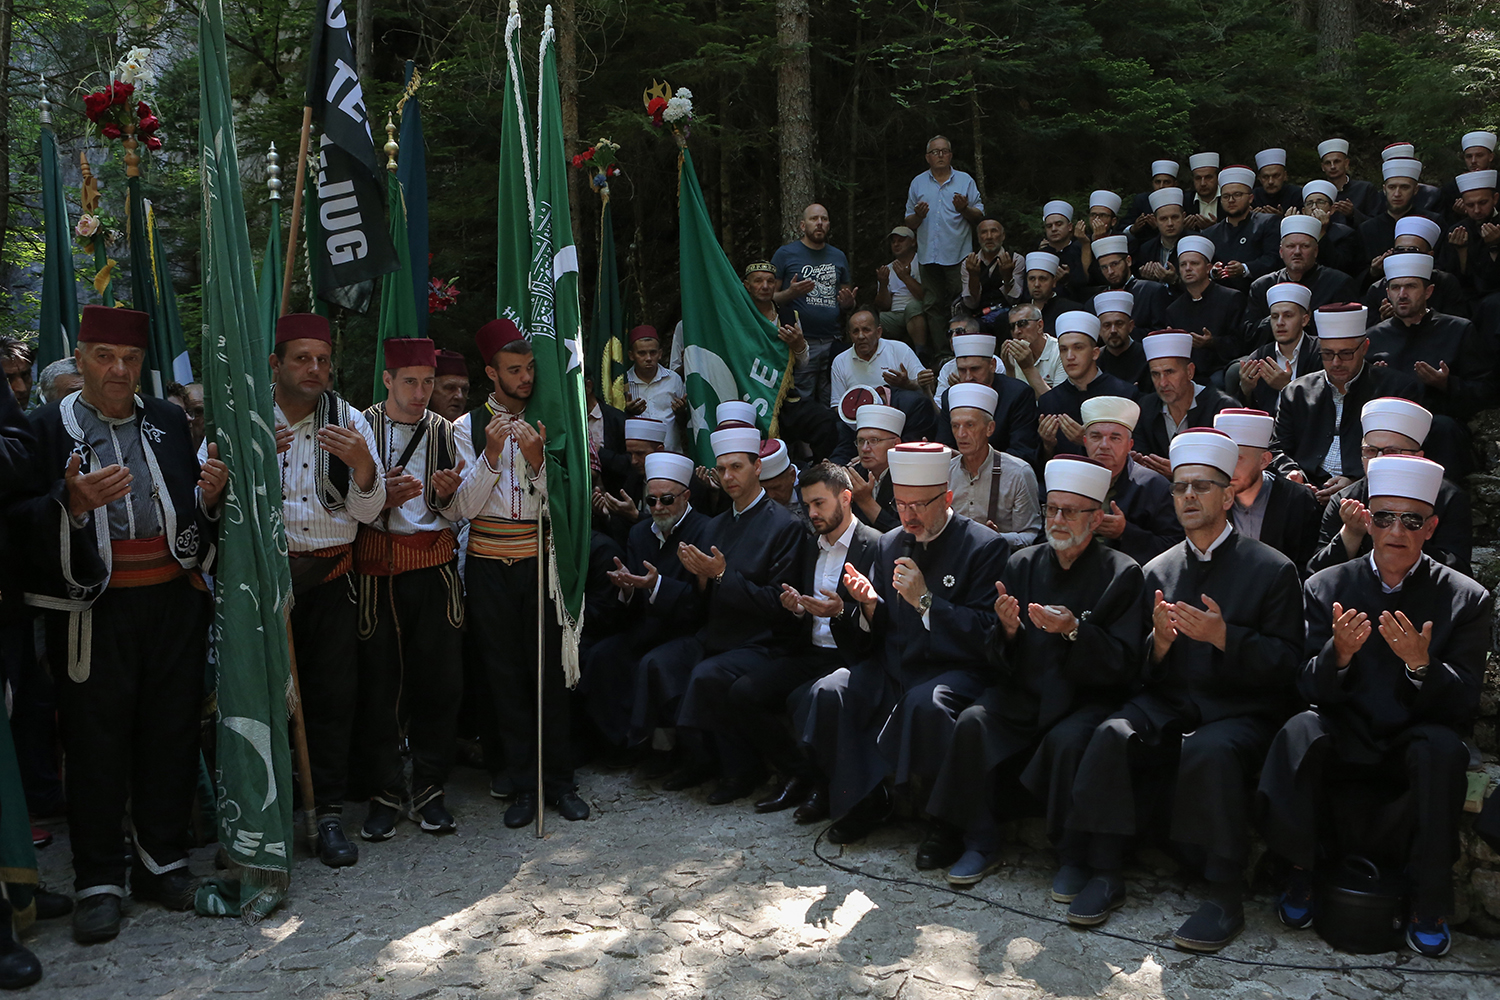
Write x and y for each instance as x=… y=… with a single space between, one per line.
x=730 y=351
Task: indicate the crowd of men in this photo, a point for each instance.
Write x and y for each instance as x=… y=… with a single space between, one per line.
x=1157 y=531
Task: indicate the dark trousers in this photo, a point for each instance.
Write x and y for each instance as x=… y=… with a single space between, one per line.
x=130 y=729
x=410 y=677
x=1309 y=791
x=33 y=717
x=755 y=707
x=661 y=679
x=502 y=615
x=705 y=706
x=324 y=633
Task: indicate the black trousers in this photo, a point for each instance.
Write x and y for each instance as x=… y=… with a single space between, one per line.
x=1405 y=802
x=755 y=708
x=325 y=634
x=501 y=611
x=33 y=717
x=410 y=677
x=130 y=729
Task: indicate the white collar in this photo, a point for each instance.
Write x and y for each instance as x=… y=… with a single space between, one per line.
x=749 y=506
x=1208 y=556
x=843 y=539
x=1397 y=588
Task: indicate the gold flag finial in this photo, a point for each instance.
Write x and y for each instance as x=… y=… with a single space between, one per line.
x=658 y=88
x=391 y=146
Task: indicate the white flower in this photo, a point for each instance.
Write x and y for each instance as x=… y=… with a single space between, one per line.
x=679 y=108
x=135 y=67
x=684 y=93
x=87 y=226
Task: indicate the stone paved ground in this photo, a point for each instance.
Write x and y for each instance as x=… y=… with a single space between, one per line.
x=661 y=896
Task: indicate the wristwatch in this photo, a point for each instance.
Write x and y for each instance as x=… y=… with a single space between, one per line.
x=1077 y=624
x=924 y=603
x=1417 y=673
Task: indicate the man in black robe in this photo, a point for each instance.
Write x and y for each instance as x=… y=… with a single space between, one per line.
x=877 y=429
x=1274 y=193
x=1212 y=312
x=663 y=598
x=1122 y=355
x=1293 y=351
x=1156 y=259
x=1394 y=426
x=1317 y=434
x=1299 y=250
x=112 y=517
x=1356 y=200
x=1141 y=224
x=1015 y=414
x=1388 y=709
x=1244 y=241
x=1402 y=176
x=1115 y=267
x=1338 y=243
x=1042 y=288
x=1139 y=519
x=757 y=545
x=1066 y=649
x=914 y=630
x=1061 y=409
x=1415 y=234
x=1267 y=507
x=1178 y=403
x=1478 y=152
x=1217 y=682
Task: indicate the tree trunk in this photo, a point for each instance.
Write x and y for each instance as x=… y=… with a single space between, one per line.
x=794 y=112
x=567 y=84
x=364 y=41
x=7 y=9
x=726 y=176
x=976 y=110
x=1335 y=35
x=1302 y=14
x=850 y=173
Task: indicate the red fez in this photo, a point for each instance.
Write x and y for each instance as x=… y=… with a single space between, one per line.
x=643 y=333
x=103 y=325
x=494 y=335
x=409 y=352
x=302 y=326
x=451 y=363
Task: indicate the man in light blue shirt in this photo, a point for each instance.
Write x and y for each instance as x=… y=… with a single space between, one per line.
x=942 y=205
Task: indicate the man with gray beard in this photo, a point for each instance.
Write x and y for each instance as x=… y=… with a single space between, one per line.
x=1072 y=620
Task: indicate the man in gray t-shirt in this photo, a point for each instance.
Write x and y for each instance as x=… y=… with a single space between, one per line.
x=815 y=292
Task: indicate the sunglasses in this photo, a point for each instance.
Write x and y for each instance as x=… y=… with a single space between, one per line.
x=1196 y=486
x=1409 y=520
x=666 y=499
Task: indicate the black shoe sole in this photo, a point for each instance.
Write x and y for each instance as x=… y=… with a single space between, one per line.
x=1094 y=919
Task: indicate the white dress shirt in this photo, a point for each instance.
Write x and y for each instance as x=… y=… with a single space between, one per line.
x=310 y=525
x=827 y=573
x=658 y=394
x=512 y=492
x=849 y=369
x=414 y=515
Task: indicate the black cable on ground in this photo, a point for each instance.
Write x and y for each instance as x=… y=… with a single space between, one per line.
x=1154 y=945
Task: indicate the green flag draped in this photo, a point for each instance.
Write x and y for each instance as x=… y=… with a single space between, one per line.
x=607 y=325
x=251 y=581
x=557 y=344
x=151 y=293
x=270 y=274
x=730 y=351
x=57 y=331
x=398 y=307
x=517 y=164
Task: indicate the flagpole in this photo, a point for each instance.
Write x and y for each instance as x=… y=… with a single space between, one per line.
x=541 y=657
x=291 y=242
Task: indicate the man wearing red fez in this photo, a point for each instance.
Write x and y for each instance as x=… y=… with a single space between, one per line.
x=115 y=519
x=331 y=483
x=504 y=454
x=450 y=393
x=652 y=390
x=410 y=649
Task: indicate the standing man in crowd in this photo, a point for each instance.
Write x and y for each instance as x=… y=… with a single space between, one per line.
x=16 y=359
x=942 y=206
x=652 y=390
x=814 y=294
x=450 y=393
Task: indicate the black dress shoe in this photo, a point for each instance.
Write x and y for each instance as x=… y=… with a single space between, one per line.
x=334 y=848
x=815 y=809
x=522 y=811
x=731 y=789
x=570 y=806
x=501 y=787
x=793 y=793
x=96 y=918
x=174 y=889
x=51 y=905
x=19 y=968
x=943 y=846
x=380 y=821
x=863 y=818
x=688 y=777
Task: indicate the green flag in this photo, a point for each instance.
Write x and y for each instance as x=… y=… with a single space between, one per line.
x=270 y=272
x=151 y=293
x=607 y=325
x=57 y=331
x=251 y=582
x=557 y=344
x=730 y=351
x=517 y=164
x=398 y=307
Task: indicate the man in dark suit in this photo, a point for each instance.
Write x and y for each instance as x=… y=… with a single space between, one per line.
x=1178 y=403
x=756 y=703
x=1267 y=507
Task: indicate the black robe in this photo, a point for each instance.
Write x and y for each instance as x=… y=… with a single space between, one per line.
x=1067 y=398
x=1451 y=543
x=1341 y=249
x=885 y=496
x=1151 y=435
x=1056 y=306
x=1447 y=297
x=1145 y=499
x=1151 y=301
x=1264 y=397
x=1326 y=284
x=614 y=460
x=1220 y=311
x=1015 y=419
x=1377 y=234
x=1290 y=196
x=1253 y=241
x=1364 y=196
x=1469 y=353
x=1130 y=365
x=762 y=548
x=1304 y=420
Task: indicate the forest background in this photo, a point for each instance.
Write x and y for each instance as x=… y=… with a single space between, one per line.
x=795 y=101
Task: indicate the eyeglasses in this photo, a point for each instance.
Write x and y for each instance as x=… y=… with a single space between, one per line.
x=666 y=499
x=1409 y=520
x=1067 y=513
x=940 y=152
x=1347 y=354
x=1197 y=486
x=1369 y=452
x=903 y=506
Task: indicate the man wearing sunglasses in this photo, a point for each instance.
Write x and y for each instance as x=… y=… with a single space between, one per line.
x=1317 y=435
x=662 y=595
x=1393 y=663
x=1393 y=426
x=1217 y=684
x=1071 y=623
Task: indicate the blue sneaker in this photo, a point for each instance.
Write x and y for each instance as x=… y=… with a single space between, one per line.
x=1429 y=936
x=1069 y=882
x=1294 y=907
x=972 y=867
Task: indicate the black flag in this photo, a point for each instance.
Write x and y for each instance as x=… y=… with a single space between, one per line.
x=350 y=243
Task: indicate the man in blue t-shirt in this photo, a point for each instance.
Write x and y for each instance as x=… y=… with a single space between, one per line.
x=815 y=292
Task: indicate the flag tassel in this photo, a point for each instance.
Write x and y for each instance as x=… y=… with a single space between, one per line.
x=291 y=243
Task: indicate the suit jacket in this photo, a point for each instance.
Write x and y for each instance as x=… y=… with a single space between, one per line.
x=1015 y=419
x=1291 y=522
x=614 y=463
x=861 y=555
x=1304 y=420
x=1151 y=437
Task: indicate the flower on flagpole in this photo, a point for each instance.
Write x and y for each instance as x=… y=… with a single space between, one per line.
x=670 y=110
x=441 y=294
x=115 y=108
x=87 y=226
x=598 y=161
x=135 y=67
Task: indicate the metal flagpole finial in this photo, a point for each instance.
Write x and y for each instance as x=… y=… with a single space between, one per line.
x=547 y=19
x=515 y=8
x=391 y=146
x=46 y=105
x=273 y=174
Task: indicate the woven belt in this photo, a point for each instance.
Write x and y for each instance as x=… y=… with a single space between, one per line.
x=494 y=538
x=380 y=553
